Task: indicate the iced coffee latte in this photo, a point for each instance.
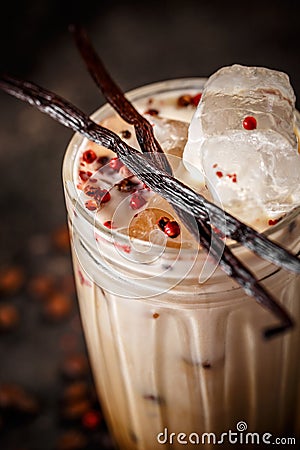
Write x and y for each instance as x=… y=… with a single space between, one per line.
x=176 y=346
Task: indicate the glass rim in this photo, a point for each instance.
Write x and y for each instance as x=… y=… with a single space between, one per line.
x=105 y=110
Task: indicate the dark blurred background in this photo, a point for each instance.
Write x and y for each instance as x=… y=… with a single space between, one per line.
x=42 y=368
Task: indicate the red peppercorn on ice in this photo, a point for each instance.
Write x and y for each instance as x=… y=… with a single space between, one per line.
x=242 y=141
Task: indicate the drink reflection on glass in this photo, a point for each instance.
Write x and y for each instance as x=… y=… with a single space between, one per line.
x=170 y=350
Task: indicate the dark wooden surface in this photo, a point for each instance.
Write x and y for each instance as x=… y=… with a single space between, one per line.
x=140 y=43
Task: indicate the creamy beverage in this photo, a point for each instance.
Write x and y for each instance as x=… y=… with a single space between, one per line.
x=176 y=346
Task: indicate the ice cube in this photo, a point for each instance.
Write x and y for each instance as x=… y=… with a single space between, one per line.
x=144 y=223
x=256 y=165
x=170 y=133
x=172 y=136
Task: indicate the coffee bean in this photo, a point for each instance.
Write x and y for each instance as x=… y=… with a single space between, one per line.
x=76 y=409
x=11 y=279
x=14 y=397
x=75 y=391
x=75 y=367
x=72 y=440
x=58 y=307
x=9 y=317
x=41 y=286
x=61 y=238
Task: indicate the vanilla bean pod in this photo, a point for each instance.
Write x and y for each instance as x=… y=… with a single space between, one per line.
x=186 y=198
x=115 y=96
x=231 y=227
x=146 y=169
x=149 y=144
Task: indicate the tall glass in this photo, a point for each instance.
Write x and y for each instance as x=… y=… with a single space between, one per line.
x=177 y=362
